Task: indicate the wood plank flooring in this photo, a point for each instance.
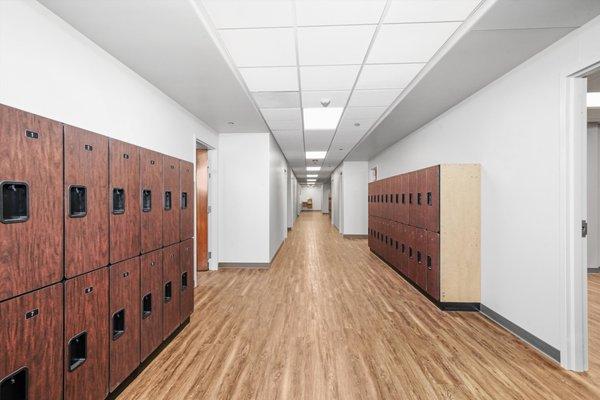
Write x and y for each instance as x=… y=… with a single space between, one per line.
x=329 y=320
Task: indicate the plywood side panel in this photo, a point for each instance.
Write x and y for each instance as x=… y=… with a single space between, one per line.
x=460 y=226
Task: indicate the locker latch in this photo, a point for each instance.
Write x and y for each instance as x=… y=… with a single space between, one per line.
x=584 y=228
x=14 y=202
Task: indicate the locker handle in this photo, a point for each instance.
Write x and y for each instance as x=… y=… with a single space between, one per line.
x=146 y=200
x=14 y=203
x=118 y=323
x=77 y=201
x=184 y=200
x=168 y=202
x=410 y=253
x=16 y=385
x=429 y=199
x=410 y=198
x=118 y=199
x=418 y=257
x=403 y=198
x=419 y=198
x=428 y=262
x=77 y=351
x=168 y=292
x=184 y=281
x=146 y=305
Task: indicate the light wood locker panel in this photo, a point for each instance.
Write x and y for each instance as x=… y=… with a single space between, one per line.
x=170 y=201
x=86 y=336
x=31 y=335
x=86 y=201
x=186 y=261
x=171 y=290
x=31 y=180
x=151 y=294
x=124 y=320
x=460 y=224
x=151 y=190
x=186 y=200
x=124 y=161
x=433 y=265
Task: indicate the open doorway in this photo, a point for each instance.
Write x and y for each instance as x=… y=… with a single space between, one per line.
x=202 y=207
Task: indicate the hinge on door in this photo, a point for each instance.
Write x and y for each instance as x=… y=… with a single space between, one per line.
x=584 y=228
x=209 y=255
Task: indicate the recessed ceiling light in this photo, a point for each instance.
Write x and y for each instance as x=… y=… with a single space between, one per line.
x=340 y=149
x=357 y=124
x=313 y=168
x=231 y=123
x=322 y=118
x=593 y=100
x=312 y=175
x=316 y=155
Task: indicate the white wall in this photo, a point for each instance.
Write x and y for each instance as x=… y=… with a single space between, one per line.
x=336 y=179
x=593 y=239
x=244 y=198
x=278 y=175
x=512 y=127
x=292 y=199
x=325 y=201
x=314 y=192
x=355 y=213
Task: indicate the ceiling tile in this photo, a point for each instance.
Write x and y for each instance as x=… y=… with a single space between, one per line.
x=409 y=43
x=337 y=98
x=261 y=47
x=338 y=12
x=270 y=79
x=429 y=10
x=373 y=98
x=334 y=45
x=318 y=140
x=363 y=112
x=328 y=77
x=250 y=14
x=282 y=114
x=384 y=76
x=285 y=125
x=277 y=99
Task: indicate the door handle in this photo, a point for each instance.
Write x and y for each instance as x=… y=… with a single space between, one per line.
x=14 y=202
x=118 y=320
x=77 y=351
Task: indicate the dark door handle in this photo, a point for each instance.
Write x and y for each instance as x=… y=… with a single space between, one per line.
x=118 y=321
x=77 y=351
x=15 y=386
x=184 y=281
x=77 y=201
x=168 y=201
x=168 y=291
x=184 y=200
x=147 y=306
x=118 y=201
x=146 y=200
x=14 y=202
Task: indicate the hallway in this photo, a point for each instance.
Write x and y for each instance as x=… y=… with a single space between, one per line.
x=329 y=320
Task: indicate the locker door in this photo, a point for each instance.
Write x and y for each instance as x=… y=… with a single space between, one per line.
x=377 y=198
x=31 y=179
x=387 y=239
x=432 y=199
x=151 y=273
x=86 y=201
x=403 y=249
x=369 y=198
x=404 y=198
x=151 y=185
x=422 y=197
x=433 y=265
x=86 y=336
x=186 y=199
x=411 y=253
x=186 y=281
x=124 y=320
x=171 y=292
x=125 y=200
x=396 y=245
x=388 y=198
x=421 y=258
x=413 y=188
x=170 y=201
x=31 y=335
x=396 y=183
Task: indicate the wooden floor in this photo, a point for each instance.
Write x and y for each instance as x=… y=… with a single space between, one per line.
x=329 y=320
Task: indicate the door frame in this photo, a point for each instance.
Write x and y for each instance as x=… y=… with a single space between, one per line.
x=212 y=203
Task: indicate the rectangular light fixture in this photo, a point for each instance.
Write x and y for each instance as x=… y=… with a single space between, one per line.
x=313 y=168
x=315 y=155
x=311 y=180
x=322 y=118
x=593 y=100
x=312 y=175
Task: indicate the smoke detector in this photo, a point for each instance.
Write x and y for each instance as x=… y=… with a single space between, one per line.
x=325 y=102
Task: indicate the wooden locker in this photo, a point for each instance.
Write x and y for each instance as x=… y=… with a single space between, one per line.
x=86 y=336
x=171 y=290
x=433 y=265
x=151 y=272
x=170 y=200
x=31 y=335
x=86 y=201
x=151 y=192
x=377 y=198
x=396 y=198
x=403 y=249
x=186 y=281
x=369 y=187
x=186 y=200
x=404 y=198
x=411 y=252
x=124 y=161
x=387 y=239
x=420 y=257
x=31 y=179
x=124 y=320
x=431 y=215
x=396 y=245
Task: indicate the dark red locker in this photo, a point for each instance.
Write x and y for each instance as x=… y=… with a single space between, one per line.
x=151 y=185
x=420 y=241
x=377 y=198
x=432 y=199
x=31 y=178
x=411 y=252
x=388 y=199
x=433 y=265
x=403 y=248
x=86 y=201
x=186 y=199
x=124 y=160
x=170 y=201
x=86 y=336
x=186 y=281
x=171 y=291
x=404 y=198
x=31 y=335
x=151 y=273
x=387 y=239
x=396 y=198
x=417 y=197
x=124 y=320
x=369 y=186
x=396 y=245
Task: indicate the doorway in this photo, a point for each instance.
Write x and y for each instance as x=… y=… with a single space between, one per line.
x=202 y=207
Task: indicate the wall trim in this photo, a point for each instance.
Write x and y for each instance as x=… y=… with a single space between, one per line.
x=594 y=270
x=355 y=236
x=244 y=265
x=521 y=333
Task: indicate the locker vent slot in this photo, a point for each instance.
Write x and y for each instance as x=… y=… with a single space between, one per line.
x=14 y=202
x=146 y=200
x=77 y=201
x=168 y=292
x=184 y=281
x=168 y=203
x=14 y=386
x=147 y=306
x=118 y=201
x=77 y=351
x=118 y=321
x=184 y=202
